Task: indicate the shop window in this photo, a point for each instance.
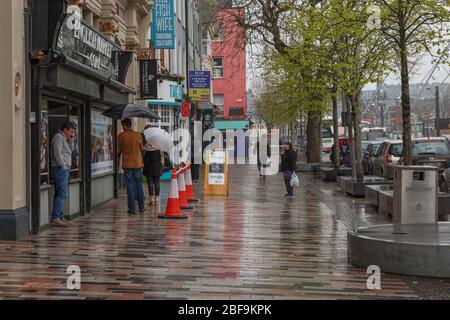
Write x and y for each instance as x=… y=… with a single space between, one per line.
x=165 y=116
x=165 y=113
x=218 y=68
x=102 y=144
x=155 y=109
x=53 y=116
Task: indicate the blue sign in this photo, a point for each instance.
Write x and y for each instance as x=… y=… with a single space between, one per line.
x=199 y=79
x=163 y=28
x=200 y=85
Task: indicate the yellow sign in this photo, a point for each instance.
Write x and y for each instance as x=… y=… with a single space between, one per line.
x=216 y=173
x=200 y=94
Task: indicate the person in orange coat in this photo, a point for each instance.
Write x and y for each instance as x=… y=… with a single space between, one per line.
x=130 y=148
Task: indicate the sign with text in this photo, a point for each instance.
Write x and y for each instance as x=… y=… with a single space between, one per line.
x=148 y=73
x=216 y=173
x=78 y=41
x=163 y=27
x=200 y=85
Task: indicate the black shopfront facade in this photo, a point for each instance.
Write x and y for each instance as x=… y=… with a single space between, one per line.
x=76 y=75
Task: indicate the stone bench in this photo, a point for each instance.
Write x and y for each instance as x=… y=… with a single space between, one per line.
x=386 y=204
x=331 y=174
x=357 y=189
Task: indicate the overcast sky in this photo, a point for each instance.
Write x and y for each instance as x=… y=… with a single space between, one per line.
x=419 y=75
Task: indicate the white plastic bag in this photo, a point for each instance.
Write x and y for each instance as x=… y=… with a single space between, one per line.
x=295 y=181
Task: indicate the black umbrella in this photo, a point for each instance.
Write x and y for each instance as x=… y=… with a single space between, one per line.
x=131 y=110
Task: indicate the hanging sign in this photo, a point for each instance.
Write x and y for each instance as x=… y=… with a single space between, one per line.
x=148 y=74
x=122 y=61
x=78 y=41
x=163 y=26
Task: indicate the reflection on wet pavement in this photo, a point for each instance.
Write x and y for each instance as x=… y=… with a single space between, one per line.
x=254 y=244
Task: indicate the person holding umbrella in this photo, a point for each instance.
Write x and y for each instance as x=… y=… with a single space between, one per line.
x=130 y=148
x=153 y=166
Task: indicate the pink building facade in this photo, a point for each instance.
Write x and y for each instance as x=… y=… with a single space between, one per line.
x=230 y=66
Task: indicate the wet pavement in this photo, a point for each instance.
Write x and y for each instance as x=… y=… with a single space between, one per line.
x=254 y=244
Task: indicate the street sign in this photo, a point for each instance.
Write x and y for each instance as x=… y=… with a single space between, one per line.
x=200 y=85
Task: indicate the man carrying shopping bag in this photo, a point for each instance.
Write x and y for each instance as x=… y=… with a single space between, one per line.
x=288 y=167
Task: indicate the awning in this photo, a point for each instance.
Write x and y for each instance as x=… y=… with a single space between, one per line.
x=163 y=103
x=236 y=125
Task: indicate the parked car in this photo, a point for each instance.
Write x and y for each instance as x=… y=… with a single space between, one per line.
x=431 y=152
x=444 y=181
x=364 y=145
x=387 y=157
x=369 y=156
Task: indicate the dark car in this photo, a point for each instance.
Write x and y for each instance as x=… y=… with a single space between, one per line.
x=431 y=152
x=369 y=155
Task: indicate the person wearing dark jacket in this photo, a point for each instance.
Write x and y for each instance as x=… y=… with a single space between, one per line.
x=153 y=166
x=288 y=166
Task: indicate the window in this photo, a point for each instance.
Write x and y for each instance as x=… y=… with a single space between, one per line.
x=396 y=150
x=431 y=148
x=165 y=113
x=155 y=109
x=219 y=100
x=218 y=68
x=53 y=116
x=218 y=32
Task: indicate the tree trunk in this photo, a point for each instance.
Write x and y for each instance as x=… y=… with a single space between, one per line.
x=313 y=139
x=406 y=106
x=348 y=108
x=337 y=158
x=356 y=116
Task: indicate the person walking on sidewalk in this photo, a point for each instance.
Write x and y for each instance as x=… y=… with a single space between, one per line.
x=288 y=166
x=61 y=162
x=263 y=159
x=130 y=148
x=153 y=166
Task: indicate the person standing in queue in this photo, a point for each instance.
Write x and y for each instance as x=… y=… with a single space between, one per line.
x=61 y=162
x=153 y=167
x=288 y=166
x=130 y=147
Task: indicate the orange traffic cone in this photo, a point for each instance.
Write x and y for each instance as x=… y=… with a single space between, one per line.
x=173 y=210
x=189 y=188
x=184 y=204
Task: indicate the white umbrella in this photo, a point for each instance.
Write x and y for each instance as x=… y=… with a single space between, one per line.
x=159 y=139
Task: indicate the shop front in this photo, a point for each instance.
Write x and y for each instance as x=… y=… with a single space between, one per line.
x=79 y=78
x=168 y=105
x=239 y=149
